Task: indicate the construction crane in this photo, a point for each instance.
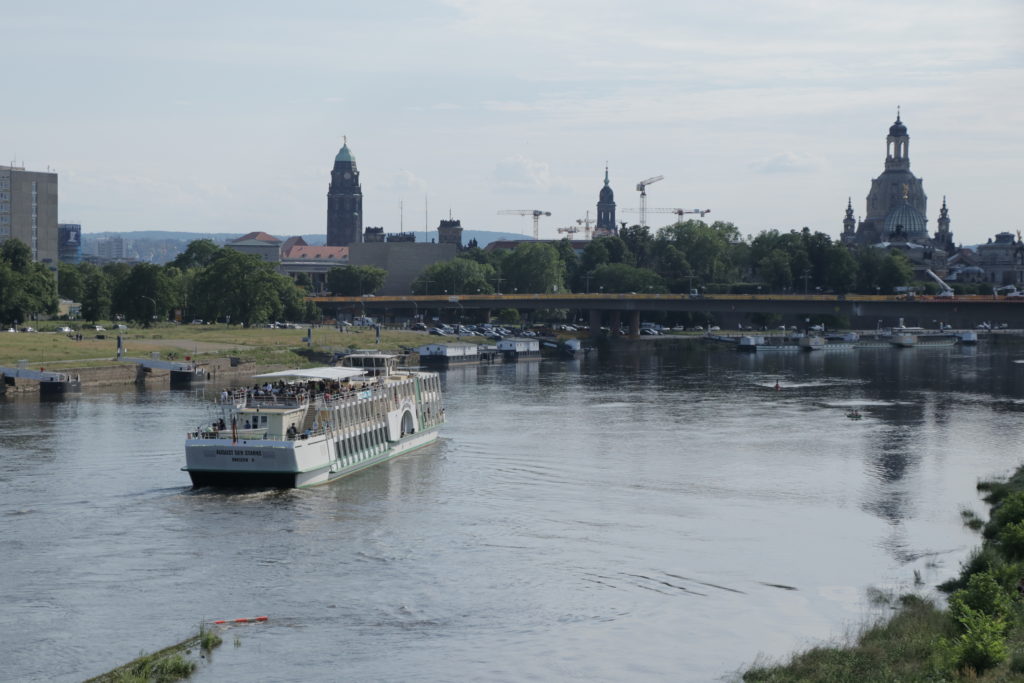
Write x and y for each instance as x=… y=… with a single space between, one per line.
x=642 y=189
x=586 y=222
x=678 y=212
x=572 y=230
x=529 y=212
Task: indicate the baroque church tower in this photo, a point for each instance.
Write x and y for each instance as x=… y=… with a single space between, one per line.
x=605 y=210
x=344 y=201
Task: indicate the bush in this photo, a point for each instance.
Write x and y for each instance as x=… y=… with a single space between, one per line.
x=1011 y=540
x=1009 y=511
x=982 y=645
x=982 y=594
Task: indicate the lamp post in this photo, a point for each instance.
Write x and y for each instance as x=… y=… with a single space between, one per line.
x=153 y=301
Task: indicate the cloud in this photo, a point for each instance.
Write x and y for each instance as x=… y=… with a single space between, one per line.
x=405 y=182
x=522 y=174
x=787 y=162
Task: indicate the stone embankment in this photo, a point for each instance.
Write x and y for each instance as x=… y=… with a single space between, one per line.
x=129 y=373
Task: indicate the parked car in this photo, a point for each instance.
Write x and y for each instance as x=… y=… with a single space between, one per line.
x=28 y=329
x=438 y=332
x=419 y=326
x=64 y=329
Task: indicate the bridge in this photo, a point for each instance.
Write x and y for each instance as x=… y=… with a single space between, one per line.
x=862 y=310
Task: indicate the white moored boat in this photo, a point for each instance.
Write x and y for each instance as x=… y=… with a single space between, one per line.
x=308 y=427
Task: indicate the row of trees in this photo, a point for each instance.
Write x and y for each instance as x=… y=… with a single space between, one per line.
x=205 y=281
x=215 y=283
x=677 y=258
x=27 y=289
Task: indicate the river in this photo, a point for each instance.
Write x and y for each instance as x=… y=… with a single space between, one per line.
x=663 y=514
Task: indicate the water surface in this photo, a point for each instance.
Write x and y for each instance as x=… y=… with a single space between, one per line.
x=661 y=515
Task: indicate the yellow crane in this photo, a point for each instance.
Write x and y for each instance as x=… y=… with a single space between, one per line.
x=536 y=213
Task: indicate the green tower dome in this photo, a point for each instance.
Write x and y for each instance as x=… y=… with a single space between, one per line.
x=345 y=154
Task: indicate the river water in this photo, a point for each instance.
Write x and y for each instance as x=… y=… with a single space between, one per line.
x=664 y=514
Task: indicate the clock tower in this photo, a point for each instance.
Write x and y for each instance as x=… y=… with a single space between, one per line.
x=344 y=201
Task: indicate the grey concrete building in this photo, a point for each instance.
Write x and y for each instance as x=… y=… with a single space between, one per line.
x=28 y=211
x=344 y=201
x=404 y=261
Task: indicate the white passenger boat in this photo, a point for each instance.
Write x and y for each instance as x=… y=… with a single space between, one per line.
x=307 y=427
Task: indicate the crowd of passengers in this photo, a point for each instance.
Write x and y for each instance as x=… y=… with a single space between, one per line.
x=295 y=390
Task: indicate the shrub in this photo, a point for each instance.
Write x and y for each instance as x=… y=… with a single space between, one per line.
x=982 y=594
x=982 y=645
x=1011 y=540
x=1009 y=511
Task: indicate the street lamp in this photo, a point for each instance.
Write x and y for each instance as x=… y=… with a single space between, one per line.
x=153 y=301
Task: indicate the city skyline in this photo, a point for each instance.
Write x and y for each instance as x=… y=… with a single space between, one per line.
x=771 y=114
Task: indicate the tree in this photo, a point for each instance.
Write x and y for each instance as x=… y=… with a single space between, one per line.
x=619 y=277
x=26 y=288
x=71 y=285
x=896 y=272
x=242 y=286
x=96 y=297
x=355 y=280
x=840 y=269
x=198 y=254
x=147 y=292
x=533 y=267
x=458 y=276
x=640 y=243
x=775 y=270
x=570 y=263
x=708 y=248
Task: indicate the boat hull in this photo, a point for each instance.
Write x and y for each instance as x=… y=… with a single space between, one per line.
x=268 y=464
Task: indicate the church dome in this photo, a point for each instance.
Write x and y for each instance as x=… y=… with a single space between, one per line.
x=345 y=154
x=906 y=221
x=606 y=194
x=897 y=130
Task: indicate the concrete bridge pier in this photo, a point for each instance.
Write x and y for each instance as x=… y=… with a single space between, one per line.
x=634 y=323
x=595 y=322
x=616 y=321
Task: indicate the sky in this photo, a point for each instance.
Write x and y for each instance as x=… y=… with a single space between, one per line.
x=226 y=116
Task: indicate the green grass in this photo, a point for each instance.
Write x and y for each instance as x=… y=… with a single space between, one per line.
x=260 y=345
x=922 y=642
x=167 y=665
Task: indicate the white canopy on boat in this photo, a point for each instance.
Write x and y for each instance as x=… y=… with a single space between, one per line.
x=317 y=373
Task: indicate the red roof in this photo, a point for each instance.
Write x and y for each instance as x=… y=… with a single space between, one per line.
x=304 y=251
x=259 y=236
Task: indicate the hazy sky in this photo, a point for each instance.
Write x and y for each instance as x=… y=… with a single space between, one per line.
x=225 y=116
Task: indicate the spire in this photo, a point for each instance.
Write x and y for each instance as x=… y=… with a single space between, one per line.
x=898 y=114
x=606 y=173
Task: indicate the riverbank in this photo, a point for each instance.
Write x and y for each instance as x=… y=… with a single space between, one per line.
x=220 y=350
x=979 y=637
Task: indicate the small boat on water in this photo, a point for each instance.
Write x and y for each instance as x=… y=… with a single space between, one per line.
x=854 y=414
x=309 y=427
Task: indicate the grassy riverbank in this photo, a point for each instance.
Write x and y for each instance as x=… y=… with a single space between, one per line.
x=172 y=663
x=260 y=345
x=979 y=637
